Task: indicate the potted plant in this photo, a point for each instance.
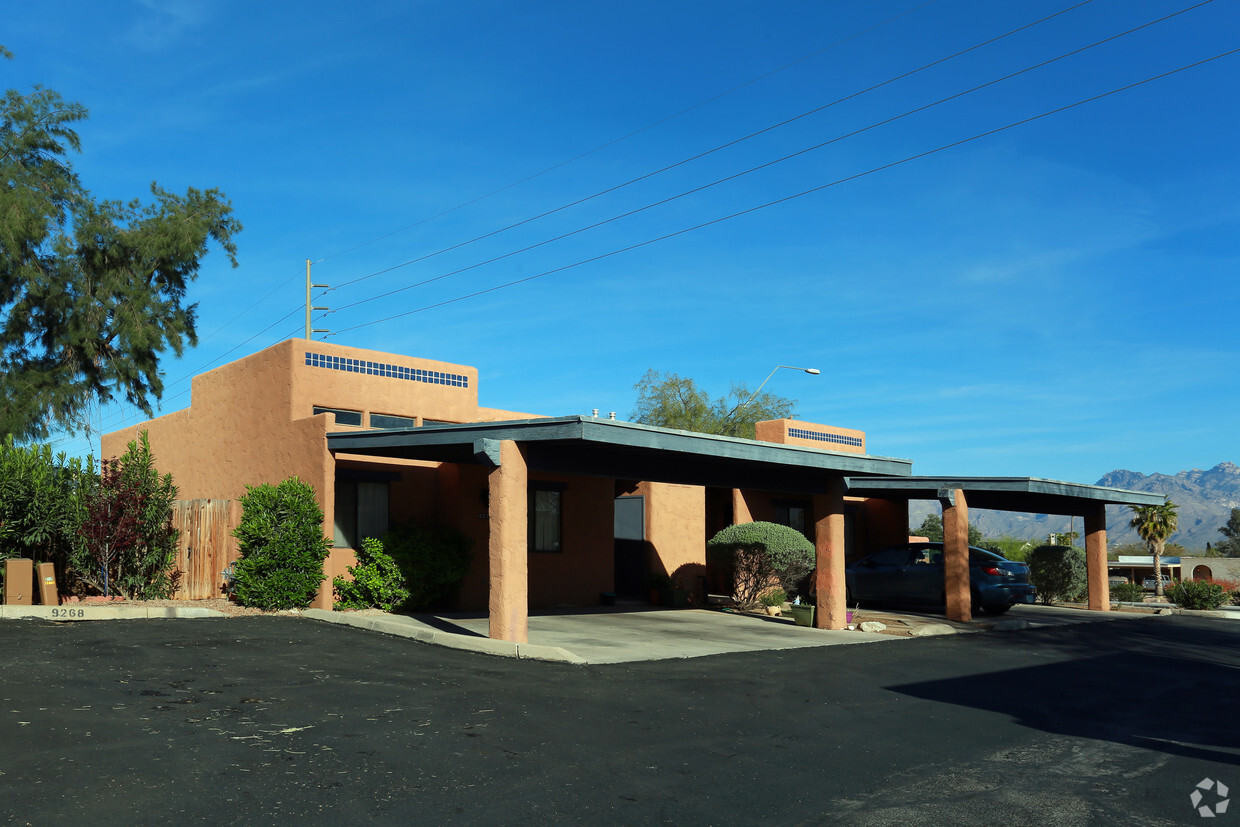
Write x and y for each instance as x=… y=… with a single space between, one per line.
x=773 y=601
x=802 y=613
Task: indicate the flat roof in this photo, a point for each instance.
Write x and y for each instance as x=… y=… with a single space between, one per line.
x=626 y=450
x=1029 y=494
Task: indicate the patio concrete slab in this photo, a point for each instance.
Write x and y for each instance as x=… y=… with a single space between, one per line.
x=613 y=636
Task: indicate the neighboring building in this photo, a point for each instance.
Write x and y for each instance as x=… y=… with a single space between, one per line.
x=561 y=509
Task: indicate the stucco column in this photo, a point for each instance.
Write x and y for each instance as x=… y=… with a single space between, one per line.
x=956 y=556
x=508 y=546
x=832 y=608
x=1096 y=558
x=740 y=508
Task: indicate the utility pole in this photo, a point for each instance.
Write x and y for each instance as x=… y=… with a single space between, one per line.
x=312 y=330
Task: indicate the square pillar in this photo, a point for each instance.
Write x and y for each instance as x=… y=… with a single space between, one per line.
x=956 y=555
x=830 y=590
x=740 y=508
x=1096 y=558
x=508 y=545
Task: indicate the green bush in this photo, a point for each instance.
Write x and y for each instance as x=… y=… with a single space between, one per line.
x=282 y=546
x=377 y=581
x=774 y=597
x=1058 y=572
x=1197 y=594
x=1128 y=592
x=42 y=503
x=759 y=553
x=433 y=561
x=129 y=545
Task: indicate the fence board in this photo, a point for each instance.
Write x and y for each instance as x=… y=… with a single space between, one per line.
x=206 y=545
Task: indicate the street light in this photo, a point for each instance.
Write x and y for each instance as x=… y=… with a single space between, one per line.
x=810 y=371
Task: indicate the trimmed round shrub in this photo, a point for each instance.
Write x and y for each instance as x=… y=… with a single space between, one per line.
x=282 y=546
x=433 y=561
x=760 y=555
x=1058 y=572
x=1197 y=594
x=377 y=581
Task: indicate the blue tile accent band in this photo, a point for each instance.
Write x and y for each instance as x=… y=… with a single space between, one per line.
x=432 y=377
x=819 y=436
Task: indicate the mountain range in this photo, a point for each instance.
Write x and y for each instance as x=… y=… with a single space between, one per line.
x=1205 y=500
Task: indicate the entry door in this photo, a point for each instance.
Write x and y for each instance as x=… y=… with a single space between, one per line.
x=630 y=554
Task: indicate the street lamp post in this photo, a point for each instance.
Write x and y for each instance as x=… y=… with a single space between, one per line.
x=810 y=371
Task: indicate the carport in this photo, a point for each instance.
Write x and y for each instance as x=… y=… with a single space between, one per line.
x=1028 y=494
x=587 y=446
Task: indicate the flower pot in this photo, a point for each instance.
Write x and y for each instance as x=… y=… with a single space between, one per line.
x=802 y=614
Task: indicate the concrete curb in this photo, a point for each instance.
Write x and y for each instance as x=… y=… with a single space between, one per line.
x=74 y=612
x=410 y=628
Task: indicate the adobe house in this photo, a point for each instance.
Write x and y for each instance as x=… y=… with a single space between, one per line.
x=562 y=509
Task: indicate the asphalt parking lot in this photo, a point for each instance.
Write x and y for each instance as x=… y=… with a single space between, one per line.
x=281 y=719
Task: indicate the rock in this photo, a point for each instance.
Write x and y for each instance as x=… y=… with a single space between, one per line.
x=931 y=629
x=873 y=626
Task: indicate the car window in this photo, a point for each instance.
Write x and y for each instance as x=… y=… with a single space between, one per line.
x=981 y=555
x=927 y=557
x=890 y=557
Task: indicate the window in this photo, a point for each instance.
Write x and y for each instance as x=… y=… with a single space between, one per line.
x=545 y=517
x=361 y=511
x=793 y=513
x=343 y=417
x=387 y=422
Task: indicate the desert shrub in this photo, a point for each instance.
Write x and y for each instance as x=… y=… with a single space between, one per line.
x=1197 y=594
x=42 y=498
x=1128 y=592
x=1232 y=587
x=773 y=597
x=1058 y=572
x=433 y=561
x=760 y=554
x=377 y=581
x=129 y=544
x=282 y=546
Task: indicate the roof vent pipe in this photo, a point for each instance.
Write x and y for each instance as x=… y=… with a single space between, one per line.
x=611 y=415
x=594 y=413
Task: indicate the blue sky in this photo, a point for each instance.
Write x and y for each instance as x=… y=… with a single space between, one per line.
x=1056 y=299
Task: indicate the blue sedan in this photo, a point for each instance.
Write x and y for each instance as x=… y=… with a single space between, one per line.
x=913 y=573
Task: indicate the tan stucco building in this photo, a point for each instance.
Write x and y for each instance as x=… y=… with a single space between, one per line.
x=561 y=510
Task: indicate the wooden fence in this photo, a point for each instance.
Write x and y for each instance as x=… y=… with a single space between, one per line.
x=206 y=545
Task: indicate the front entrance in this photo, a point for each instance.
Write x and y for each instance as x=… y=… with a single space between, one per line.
x=630 y=554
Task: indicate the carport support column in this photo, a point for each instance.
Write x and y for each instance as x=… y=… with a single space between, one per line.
x=832 y=605
x=1096 y=558
x=956 y=555
x=509 y=545
x=740 y=508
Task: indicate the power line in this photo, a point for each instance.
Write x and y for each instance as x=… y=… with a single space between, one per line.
x=802 y=193
x=768 y=164
x=719 y=148
x=629 y=135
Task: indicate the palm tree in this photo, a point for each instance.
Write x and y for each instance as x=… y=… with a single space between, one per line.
x=1154 y=524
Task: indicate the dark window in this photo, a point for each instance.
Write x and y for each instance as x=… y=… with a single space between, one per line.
x=343 y=417
x=794 y=514
x=387 y=422
x=361 y=511
x=545 y=518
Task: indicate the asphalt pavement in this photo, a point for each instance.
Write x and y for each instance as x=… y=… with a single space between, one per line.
x=275 y=720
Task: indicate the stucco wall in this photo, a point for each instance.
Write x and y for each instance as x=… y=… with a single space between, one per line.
x=676 y=531
x=822 y=437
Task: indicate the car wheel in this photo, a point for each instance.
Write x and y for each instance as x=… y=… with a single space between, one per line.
x=995 y=610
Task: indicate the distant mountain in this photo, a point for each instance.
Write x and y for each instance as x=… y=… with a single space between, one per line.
x=1205 y=498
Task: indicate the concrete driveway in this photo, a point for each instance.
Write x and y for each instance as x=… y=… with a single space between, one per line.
x=637 y=633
